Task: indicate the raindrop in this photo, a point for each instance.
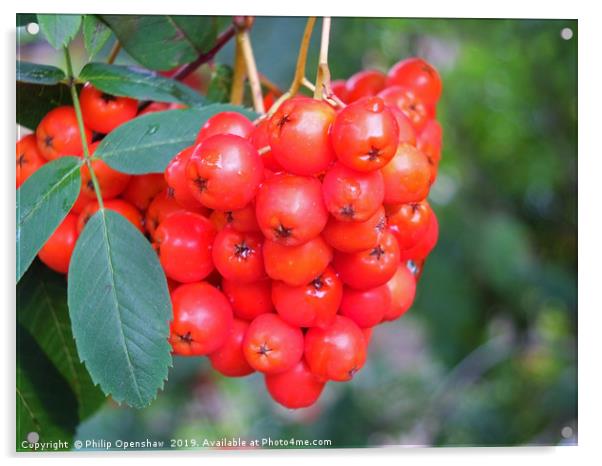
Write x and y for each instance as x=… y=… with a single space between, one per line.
x=152 y=129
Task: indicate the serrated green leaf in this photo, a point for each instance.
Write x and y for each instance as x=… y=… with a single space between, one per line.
x=42 y=310
x=220 y=84
x=45 y=403
x=43 y=201
x=34 y=101
x=163 y=42
x=96 y=34
x=59 y=30
x=147 y=143
x=139 y=84
x=120 y=309
x=38 y=74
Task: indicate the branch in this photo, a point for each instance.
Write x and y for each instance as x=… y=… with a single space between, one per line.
x=205 y=57
x=323 y=76
x=114 y=52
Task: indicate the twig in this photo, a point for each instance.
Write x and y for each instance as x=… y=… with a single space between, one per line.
x=299 y=68
x=237 y=91
x=323 y=75
x=222 y=40
x=244 y=41
x=114 y=52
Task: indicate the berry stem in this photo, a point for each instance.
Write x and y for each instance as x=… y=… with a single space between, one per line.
x=302 y=57
x=80 y=124
x=244 y=41
x=114 y=52
x=323 y=75
x=299 y=69
x=237 y=91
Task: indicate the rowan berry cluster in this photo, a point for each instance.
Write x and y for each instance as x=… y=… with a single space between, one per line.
x=285 y=240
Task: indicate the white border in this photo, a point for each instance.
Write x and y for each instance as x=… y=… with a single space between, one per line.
x=590 y=234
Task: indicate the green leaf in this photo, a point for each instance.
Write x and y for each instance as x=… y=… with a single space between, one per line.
x=147 y=143
x=120 y=309
x=34 y=101
x=96 y=34
x=220 y=84
x=45 y=403
x=38 y=74
x=163 y=42
x=139 y=84
x=23 y=19
x=43 y=201
x=42 y=310
x=59 y=30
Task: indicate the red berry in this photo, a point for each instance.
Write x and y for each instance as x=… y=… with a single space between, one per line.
x=229 y=358
x=355 y=236
x=310 y=305
x=296 y=265
x=295 y=388
x=116 y=205
x=202 y=319
x=418 y=75
x=429 y=143
x=335 y=352
x=58 y=134
x=407 y=133
x=409 y=223
x=249 y=299
x=299 y=136
x=142 y=189
x=260 y=138
x=155 y=107
x=271 y=345
x=339 y=88
x=365 y=134
x=407 y=176
x=161 y=207
x=350 y=195
x=104 y=112
x=367 y=331
x=402 y=289
x=242 y=220
x=111 y=182
x=29 y=158
x=80 y=203
x=224 y=172
x=175 y=176
x=268 y=100
x=412 y=107
x=184 y=241
x=366 y=308
x=56 y=252
x=238 y=256
x=225 y=123
x=426 y=244
x=369 y=268
x=290 y=209
x=366 y=83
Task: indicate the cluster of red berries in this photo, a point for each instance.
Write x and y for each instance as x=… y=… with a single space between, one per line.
x=286 y=241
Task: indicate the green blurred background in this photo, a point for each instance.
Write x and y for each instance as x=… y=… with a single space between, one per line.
x=488 y=353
